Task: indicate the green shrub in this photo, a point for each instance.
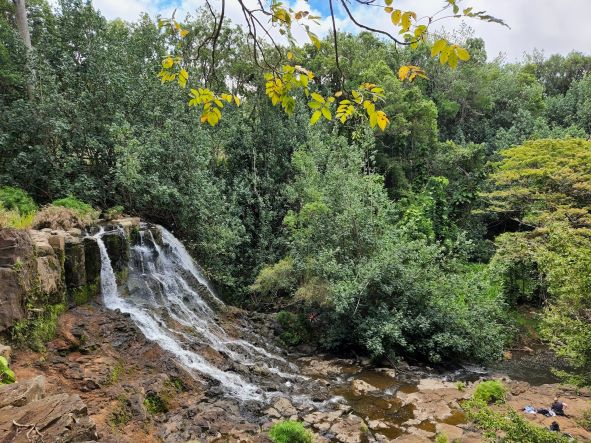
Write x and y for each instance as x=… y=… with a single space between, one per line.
x=154 y=404
x=585 y=419
x=113 y=213
x=77 y=205
x=508 y=426
x=290 y=432
x=490 y=391
x=295 y=328
x=275 y=279
x=35 y=332
x=18 y=200
x=6 y=375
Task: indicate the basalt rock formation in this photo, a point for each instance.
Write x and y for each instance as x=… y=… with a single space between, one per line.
x=53 y=267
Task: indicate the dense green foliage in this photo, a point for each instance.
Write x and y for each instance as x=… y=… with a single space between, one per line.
x=393 y=242
x=546 y=186
x=490 y=391
x=73 y=203
x=290 y=432
x=17 y=200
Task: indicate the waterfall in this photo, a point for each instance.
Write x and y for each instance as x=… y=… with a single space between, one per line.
x=164 y=296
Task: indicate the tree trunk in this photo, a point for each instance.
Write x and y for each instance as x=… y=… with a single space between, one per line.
x=21 y=22
x=23 y=29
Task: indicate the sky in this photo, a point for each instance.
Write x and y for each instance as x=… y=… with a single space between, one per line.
x=553 y=26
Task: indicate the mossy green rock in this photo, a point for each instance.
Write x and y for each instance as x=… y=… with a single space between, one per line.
x=118 y=250
x=92 y=259
x=75 y=263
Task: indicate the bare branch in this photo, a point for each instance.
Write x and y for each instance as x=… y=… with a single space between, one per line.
x=336 y=44
x=369 y=28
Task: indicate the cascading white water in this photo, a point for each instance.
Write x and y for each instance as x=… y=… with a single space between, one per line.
x=162 y=296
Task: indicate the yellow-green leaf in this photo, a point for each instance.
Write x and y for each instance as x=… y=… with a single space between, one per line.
x=462 y=54
x=403 y=72
x=326 y=113
x=167 y=63
x=315 y=117
x=382 y=120
x=183 y=77
x=438 y=46
x=318 y=97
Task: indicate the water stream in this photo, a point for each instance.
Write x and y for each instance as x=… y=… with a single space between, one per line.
x=168 y=297
x=165 y=295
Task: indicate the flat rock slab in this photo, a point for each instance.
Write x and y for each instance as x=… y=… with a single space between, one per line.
x=27 y=415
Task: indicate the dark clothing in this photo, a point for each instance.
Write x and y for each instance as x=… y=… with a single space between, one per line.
x=558 y=408
x=555 y=427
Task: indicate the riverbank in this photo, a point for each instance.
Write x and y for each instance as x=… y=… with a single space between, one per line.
x=134 y=391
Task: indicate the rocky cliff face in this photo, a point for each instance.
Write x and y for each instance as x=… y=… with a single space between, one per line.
x=46 y=268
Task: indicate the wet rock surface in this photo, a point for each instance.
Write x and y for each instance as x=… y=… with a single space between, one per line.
x=135 y=391
x=104 y=380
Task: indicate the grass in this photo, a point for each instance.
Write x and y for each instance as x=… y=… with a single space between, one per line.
x=13 y=219
x=290 y=431
x=116 y=373
x=122 y=413
x=504 y=425
x=155 y=404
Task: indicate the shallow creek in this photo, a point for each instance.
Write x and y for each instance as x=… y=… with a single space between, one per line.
x=418 y=400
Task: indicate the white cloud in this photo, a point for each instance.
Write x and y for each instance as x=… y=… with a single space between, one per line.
x=549 y=25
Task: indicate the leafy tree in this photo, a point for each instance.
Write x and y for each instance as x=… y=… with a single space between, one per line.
x=545 y=185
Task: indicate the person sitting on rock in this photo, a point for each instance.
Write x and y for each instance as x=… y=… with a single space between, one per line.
x=558 y=407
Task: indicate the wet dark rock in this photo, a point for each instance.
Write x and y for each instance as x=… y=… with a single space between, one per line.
x=118 y=250
x=92 y=259
x=75 y=264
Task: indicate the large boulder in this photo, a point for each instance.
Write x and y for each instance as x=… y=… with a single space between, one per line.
x=14 y=245
x=92 y=260
x=26 y=414
x=17 y=269
x=12 y=299
x=118 y=249
x=49 y=274
x=75 y=263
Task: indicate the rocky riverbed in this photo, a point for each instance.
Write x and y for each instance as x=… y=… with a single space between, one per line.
x=209 y=372
x=102 y=380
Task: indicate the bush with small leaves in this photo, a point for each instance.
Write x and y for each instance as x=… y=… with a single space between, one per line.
x=490 y=391
x=155 y=404
x=290 y=431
